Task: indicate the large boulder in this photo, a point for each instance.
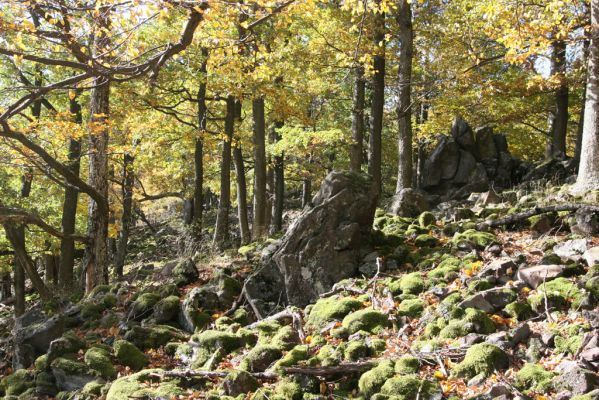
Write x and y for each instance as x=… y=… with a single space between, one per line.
x=33 y=333
x=326 y=242
x=443 y=162
x=462 y=134
x=409 y=203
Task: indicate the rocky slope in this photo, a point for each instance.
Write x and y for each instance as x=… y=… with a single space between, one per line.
x=442 y=309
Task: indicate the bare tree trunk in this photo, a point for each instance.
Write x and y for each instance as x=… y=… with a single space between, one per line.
x=578 y=148
x=242 y=206
x=221 y=231
x=260 y=210
x=556 y=148
x=50 y=268
x=126 y=217
x=357 y=125
x=69 y=205
x=588 y=172
x=5 y=286
x=198 y=193
x=279 y=184
x=378 y=102
x=306 y=192
x=404 y=104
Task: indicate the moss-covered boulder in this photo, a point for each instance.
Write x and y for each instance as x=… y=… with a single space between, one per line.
x=166 y=310
x=153 y=336
x=412 y=283
x=91 y=311
x=371 y=381
x=426 y=218
x=355 y=350
x=407 y=365
x=144 y=384
x=185 y=272
x=519 y=310
x=474 y=238
x=535 y=378
x=68 y=343
x=557 y=293
x=216 y=339
x=411 y=308
x=426 y=240
x=483 y=359
x=237 y=383
x=260 y=358
x=16 y=383
x=286 y=338
x=330 y=309
x=128 y=354
x=294 y=356
x=410 y=387
x=143 y=306
x=480 y=320
x=366 y=320
x=99 y=360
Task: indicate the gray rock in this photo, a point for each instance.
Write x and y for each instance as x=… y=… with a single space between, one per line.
x=485 y=144
x=587 y=222
x=500 y=268
x=571 y=249
x=442 y=163
x=33 y=332
x=368 y=267
x=462 y=134
x=536 y=274
x=204 y=298
x=578 y=380
x=490 y=300
x=488 y=197
x=591 y=256
x=521 y=333
x=409 y=203
x=239 y=382
x=465 y=169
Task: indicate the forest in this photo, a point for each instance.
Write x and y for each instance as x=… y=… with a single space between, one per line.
x=299 y=199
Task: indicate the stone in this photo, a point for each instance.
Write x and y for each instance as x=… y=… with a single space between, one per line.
x=485 y=144
x=191 y=313
x=71 y=375
x=535 y=275
x=571 y=249
x=490 y=300
x=521 y=333
x=465 y=169
x=489 y=197
x=33 y=332
x=128 y=354
x=325 y=243
x=577 y=380
x=260 y=358
x=239 y=382
x=369 y=267
x=185 y=272
x=408 y=203
x=167 y=309
x=501 y=269
x=587 y=222
x=591 y=256
x=442 y=163
x=462 y=134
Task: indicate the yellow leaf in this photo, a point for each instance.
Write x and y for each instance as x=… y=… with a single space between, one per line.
x=72 y=94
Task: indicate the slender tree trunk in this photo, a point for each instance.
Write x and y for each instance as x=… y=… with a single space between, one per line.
x=378 y=101
x=126 y=217
x=69 y=206
x=559 y=117
x=357 y=124
x=404 y=104
x=242 y=206
x=588 y=172
x=270 y=192
x=198 y=193
x=97 y=251
x=221 y=231
x=19 y=274
x=578 y=148
x=259 y=132
x=279 y=184
x=50 y=268
x=5 y=286
x=306 y=192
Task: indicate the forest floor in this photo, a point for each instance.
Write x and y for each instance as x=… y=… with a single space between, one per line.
x=450 y=312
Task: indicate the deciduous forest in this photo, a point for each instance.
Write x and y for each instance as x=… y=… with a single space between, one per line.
x=299 y=199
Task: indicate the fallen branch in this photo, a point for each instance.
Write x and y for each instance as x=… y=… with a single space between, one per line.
x=511 y=219
x=288 y=313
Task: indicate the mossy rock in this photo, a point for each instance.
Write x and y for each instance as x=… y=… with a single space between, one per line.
x=91 y=311
x=286 y=338
x=16 y=383
x=412 y=283
x=153 y=336
x=288 y=389
x=247 y=249
x=355 y=350
x=410 y=387
x=411 y=308
x=136 y=386
x=519 y=310
x=559 y=291
x=93 y=388
x=407 y=365
x=368 y=320
x=99 y=360
x=238 y=383
x=294 y=356
x=426 y=218
x=371 y=381
x=480 y=320
x=143 y=305
x=446 y=270
x=70 y=366
x=216 y=339
x=568 y=345
x=128 y=354
x=166 y=309
x=330 y=309
x=478 y=239
x=41 y=363
x=482 y=358
x=260 y=358
x=455 y=329
x=426 y=240
x=535 y=378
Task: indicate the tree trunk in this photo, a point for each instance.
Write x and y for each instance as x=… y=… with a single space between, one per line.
x=306 y=192
x=221 y=231
x=97 y=251
x=50 y=268
x=198 y=193
x=242 y=206
x=588 y=172
x=279 y=184
x=357 y=124
x=559 y=117
x=126 y=217
x=260 y=209
x=5 y=287
x=378 y=101
x=19 y=276
x=404 y=104
x=69 y=206
x=579 y=129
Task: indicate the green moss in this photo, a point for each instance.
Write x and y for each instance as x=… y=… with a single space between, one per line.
x=93 y=388
x=559 y=291
x=481 y=321
x=285 y=338
x=144 y=304
x=411 y=308
x=482 y=358
x=128 y=354
x=534 y=377
x=41 y=363
x=479 y=285
x=454 y=329
x=295 y=355
x=289 y=389
x=471 y=236
x=215 y=339
x=260 y=358
x=592 y=285
x=169 y=306
x=136 y=386
x=71 y=367
x=569 y=344
x=377 y=346
x=446 y=271
x=409 y=387
x=331 y=308
x=355 y=350
x=247 y=249
x=99 y=290
x=368 y=320
x=99 y=360
x=91 y=311
x=371 y=381
x=519 y=310
x=407 y=365
x=425 y=240
x=426 y=218
x=238 y=382
x=412 y=283
x=153 y=336
x=16 y=383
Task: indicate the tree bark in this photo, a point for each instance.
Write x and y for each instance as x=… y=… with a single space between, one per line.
x=588 y=171
x=559 y=117
x=126 y=217
x=5 y=287
x=198 y=194
x=306 y=192
x=278 y=203
x=221 y=231
x=260 y=209
x=357 y=125
x=579 y=129
x=378 y=101
x=404 y=104
x=242 y=206
x=69 y=206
